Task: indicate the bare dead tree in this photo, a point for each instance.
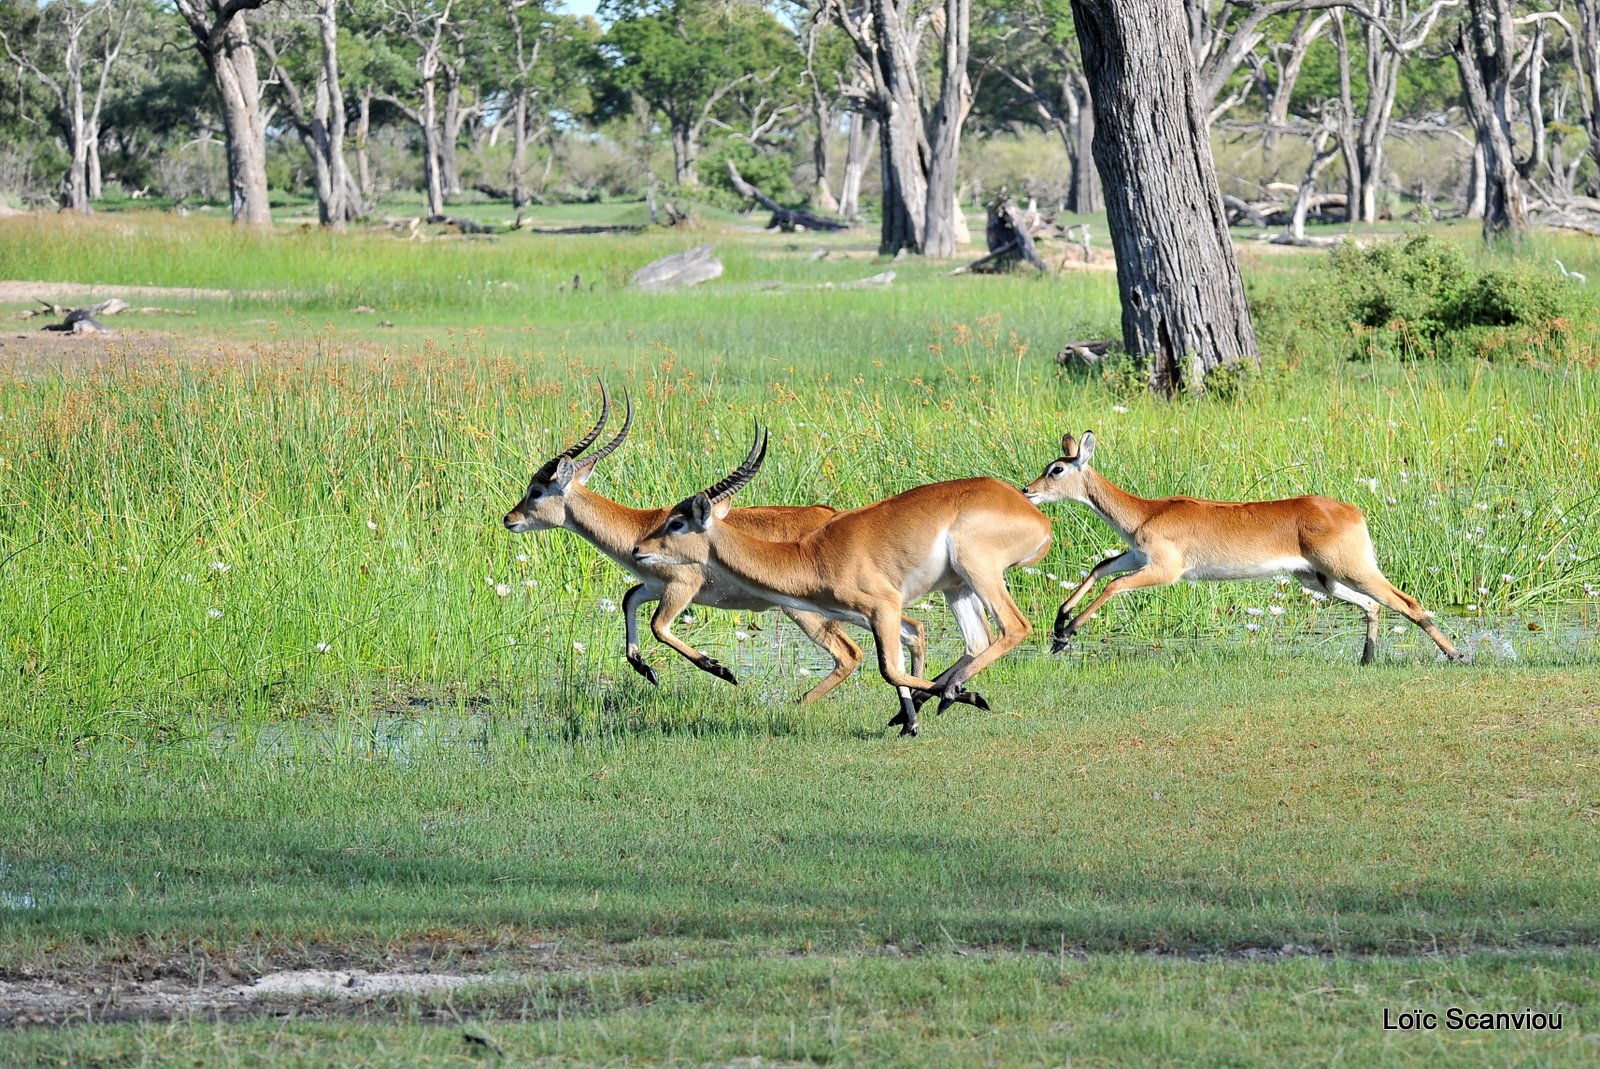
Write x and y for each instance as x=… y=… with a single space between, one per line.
x=1056 y=88
x=1288 y=57
x=320 y=123
x=861 y=135
x=917 y=148
x=425 y=24
x=1485 y=51
x=91 y=36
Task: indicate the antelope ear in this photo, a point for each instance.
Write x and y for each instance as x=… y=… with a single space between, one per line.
x=721 y=509
x=1085 y=449
x=584 y=469
x=566 y=471
x=1069 y=447
x=700 y=511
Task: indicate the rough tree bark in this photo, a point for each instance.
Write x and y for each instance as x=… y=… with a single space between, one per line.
x=939 y=228
x=1485 y=51
x=1183 y=303
x=223 y=40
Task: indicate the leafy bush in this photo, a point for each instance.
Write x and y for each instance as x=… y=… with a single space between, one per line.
x=1421 y=297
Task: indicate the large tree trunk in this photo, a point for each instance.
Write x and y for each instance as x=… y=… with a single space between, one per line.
x=1485 y=52
x=519 y=152
x=1085 y=179
x=939 y=227
x=450 y=135
x=223 y=41
x=1183 y=303
x=96 y=180
x=684 y=151
x=858 y=153
x=363 y=127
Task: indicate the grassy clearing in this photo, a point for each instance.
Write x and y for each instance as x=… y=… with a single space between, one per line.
x=937 y=1009
x=273 y=676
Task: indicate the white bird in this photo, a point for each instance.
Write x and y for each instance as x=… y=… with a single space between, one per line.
x=1572 y=276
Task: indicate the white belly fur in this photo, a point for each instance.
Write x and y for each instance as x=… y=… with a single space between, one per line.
x=1208 y=571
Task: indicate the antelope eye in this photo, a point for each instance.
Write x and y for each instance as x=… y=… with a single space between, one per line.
x=675 y=526
x=1059 y=469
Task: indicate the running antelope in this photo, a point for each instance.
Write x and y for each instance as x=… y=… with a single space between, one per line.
x=865 y=565
x=558 y=497
x=1321 y=542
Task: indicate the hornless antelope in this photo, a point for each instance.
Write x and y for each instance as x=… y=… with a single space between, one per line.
x=558 y=497
x=1320 y=541
x=865 y=565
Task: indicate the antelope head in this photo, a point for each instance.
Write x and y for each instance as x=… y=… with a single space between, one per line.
x=1065 y=478
x=684 y=537
x=545 y=504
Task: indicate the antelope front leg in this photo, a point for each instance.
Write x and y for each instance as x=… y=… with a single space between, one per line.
x=891 y=665
x=1152 y=574
x=1125 y=562
x=678 y=596
x=630 y=620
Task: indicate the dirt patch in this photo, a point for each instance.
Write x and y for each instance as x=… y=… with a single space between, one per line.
x=16 y=291
x=182 y=987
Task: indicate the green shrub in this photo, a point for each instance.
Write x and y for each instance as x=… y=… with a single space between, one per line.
x=1422 y=298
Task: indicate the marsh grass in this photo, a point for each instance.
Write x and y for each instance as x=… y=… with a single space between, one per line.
x=266 y=644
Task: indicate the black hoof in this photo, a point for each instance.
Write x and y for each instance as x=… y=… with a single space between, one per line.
x=1060 y=643
x=907 y=729
x=645 y=670
x=965 y=697
x=718 y=669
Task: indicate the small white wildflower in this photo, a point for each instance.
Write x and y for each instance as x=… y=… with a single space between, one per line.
x=530 y=583
x=1398 y=629
x=742 y=636
x=215 y=614
x=580 y=647
x=188 y=577
x=1434 y=569
x=1030 y=571
x=502 y=589
x=1253 y=611
x=489 y=579
x=1317 y=595
x=607 y=605
x=522 y=558
x=324 y=647
x=221 y=566
x=1051 y=575
x=1481 y=506
x=689 y=618
x=1472 y=606
x=1067 y=584
x=1276 y=610
x=803 y=672
x=1083 y=573
x=1370 y=484
x=1119 y=408
x=1252 y=626
x=799 y=424
x=1391 y=501
x=372 y=525
x=1499 y=440
x=511 y=640
x=1483 y=590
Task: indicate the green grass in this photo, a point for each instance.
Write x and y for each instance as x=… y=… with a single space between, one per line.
x=273 y=677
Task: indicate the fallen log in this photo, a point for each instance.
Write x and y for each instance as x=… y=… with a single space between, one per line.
x=786 y=219
x=594 y=228
x=1084 y=354
x=1009 y=241
x=689 y=268
x=80 y=321
x=461 y=223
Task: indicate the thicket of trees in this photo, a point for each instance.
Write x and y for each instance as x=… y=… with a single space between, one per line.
x=898 y=109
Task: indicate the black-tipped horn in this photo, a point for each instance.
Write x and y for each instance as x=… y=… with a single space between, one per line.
x=611 y=447
x=744 y=472
x=571 y=451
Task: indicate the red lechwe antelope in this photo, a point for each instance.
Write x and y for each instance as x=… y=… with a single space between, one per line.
x=557 y=497
x=1320 y=541
x=865 y=565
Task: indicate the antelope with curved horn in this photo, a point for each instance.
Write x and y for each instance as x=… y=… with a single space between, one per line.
x=1321 y=542
x=865 y=565
x=558 y=497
